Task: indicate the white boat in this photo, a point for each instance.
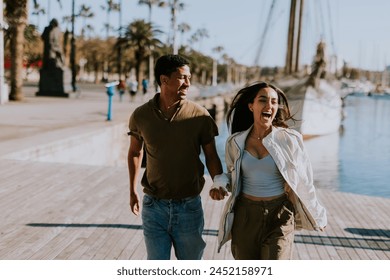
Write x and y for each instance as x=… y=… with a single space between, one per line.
x=317 y=109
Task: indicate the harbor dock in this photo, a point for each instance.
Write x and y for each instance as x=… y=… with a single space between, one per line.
x=64 y=191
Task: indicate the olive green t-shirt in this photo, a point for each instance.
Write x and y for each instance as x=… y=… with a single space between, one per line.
x=173 y=167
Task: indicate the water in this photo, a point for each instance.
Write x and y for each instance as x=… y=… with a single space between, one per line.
x=356 y=160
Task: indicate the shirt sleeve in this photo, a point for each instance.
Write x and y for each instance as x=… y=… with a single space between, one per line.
x=209 y=130
x=133 y=127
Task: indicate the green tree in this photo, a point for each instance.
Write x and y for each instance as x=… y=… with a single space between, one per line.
x=32 y=46
x=141 y=35
x=201 y=66
x=183 y=28
x=110 y=6
x=95 y=51
x=85 y=13
x=175 y=6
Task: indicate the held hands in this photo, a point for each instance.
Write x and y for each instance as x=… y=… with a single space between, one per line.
x=218 y=190
x=218 y=193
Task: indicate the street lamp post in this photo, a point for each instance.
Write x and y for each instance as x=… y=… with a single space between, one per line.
x=73 y=51
x=119 y=58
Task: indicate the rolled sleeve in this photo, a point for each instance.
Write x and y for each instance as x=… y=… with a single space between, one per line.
x=133 y=128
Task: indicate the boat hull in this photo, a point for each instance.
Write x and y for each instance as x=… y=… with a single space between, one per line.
x=318 y=111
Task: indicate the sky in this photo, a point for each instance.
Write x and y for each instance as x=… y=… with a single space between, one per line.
x=355 y=31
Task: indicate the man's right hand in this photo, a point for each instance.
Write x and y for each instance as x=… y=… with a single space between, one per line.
x=134 y=203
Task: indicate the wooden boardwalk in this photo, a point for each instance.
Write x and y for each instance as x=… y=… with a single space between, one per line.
x=74 y=212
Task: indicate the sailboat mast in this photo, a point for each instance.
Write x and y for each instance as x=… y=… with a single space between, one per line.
x=299 y=36
x=290 y=38
x=294 y=37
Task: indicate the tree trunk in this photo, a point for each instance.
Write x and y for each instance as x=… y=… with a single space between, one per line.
x=17 y=53
x=16 y=14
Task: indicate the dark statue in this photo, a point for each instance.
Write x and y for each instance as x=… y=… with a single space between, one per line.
x=52 y=52
x=51 y=81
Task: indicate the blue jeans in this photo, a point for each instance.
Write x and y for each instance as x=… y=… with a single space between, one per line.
x=168 y=222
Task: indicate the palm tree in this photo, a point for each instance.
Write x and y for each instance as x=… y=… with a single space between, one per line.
x=141 y=36
x=111 y=6
x=183 y=28
x=201 y=33
x=150 y=4
x=85 y=13
x=175 y=6
x=37 y=12
x=16 y=15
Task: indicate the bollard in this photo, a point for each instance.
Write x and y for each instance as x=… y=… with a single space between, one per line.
x=110 y=92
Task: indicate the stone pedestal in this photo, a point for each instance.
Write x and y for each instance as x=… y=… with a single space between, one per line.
x=51 y=82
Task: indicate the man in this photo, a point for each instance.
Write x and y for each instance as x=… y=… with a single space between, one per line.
x=172 y=130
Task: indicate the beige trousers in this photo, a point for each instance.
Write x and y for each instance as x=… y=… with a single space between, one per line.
x=263 y=230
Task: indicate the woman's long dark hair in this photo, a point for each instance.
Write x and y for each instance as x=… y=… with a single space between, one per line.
x=241 y=118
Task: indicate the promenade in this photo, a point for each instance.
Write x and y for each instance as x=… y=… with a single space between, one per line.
x=64 y=190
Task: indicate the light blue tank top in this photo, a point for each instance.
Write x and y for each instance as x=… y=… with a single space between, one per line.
x=260 y=177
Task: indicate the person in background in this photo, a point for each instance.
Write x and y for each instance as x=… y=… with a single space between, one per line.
x=269 y=176
x=121 y=87
x=171 y=130
x=145 y=84
x=133 y=88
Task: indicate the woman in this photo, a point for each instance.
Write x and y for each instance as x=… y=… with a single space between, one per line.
x=269 y=177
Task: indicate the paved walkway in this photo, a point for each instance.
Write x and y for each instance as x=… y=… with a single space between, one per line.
x=68 y=209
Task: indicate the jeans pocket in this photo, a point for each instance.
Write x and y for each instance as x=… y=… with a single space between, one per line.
x=193 y=205
x=147 y=201
x=287 y=216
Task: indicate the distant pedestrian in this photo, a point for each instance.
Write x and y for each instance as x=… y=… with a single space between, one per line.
x=269 y=177
x=121 y=87
x=133 y=88
x=145 y=84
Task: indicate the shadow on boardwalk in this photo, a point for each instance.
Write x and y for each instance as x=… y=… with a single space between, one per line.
x=361 y=243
